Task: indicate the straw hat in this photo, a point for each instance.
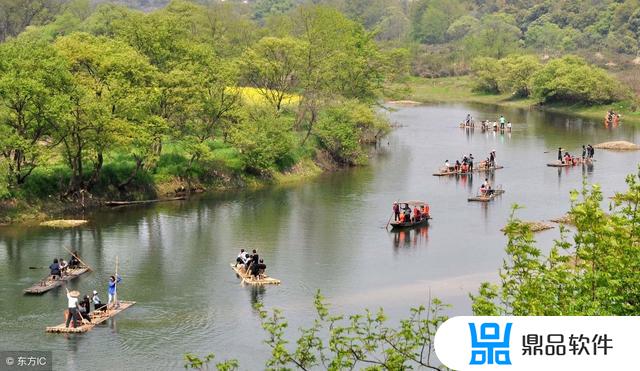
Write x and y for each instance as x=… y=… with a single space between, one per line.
x=74 y=294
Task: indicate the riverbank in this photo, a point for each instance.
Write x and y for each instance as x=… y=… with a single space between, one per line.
x=33 y=211
x=459 y=90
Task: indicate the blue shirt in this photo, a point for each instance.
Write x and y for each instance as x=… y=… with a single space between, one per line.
x=112 y=285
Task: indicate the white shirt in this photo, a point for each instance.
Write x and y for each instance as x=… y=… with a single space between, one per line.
x=73 y=302
x=244 y=256
x=96 y=299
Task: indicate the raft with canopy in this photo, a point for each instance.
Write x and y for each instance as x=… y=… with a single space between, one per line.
x=424 y=220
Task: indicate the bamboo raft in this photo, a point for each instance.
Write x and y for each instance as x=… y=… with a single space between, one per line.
x=247 y=278
x=97 y=317
x=560 y=164
x=49 y=283
x=475 y=170
x=495 y=193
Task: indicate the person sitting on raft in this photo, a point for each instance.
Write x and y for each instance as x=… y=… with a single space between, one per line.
x=97 y=303
x=416 y=214
x=258 y=269
x=242 y=258
x=63 y=267
x=457 y=166
x=464 y=168
x=482 y=191
x=425 y=210
x=55 y=270
x=85 y=308
x=74 y=262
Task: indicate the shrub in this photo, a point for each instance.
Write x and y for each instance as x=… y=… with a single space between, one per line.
x=343 y=129
x=486 y=73
x=572 y=80
x=265 y=141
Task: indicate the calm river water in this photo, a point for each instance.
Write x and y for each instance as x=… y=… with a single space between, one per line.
x=325 y=234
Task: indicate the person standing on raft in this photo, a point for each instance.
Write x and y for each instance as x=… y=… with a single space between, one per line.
x=396 y=211
x=54 y=269
x=113 y=290
x=72 y=308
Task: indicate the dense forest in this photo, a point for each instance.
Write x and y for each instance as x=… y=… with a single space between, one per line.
x=138 y=98
x=112 y=102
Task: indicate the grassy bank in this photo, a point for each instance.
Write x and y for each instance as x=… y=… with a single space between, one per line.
x=459 y=89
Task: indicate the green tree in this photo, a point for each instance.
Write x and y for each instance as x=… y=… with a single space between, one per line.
x=515 y=74
x=594 y=272
x=497 y=36
x=208 y=101
x=111 y=87
x=486 y=73
x=571 y=79
x=272 y=66
x=34 y=101
x=265 y=141
x=345 y=128
x=430 y=19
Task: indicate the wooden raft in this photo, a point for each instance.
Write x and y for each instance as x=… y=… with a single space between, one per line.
x=247 y=278
x=97 y=317
x=560 y=164
x=475 y=170
x=495 y=193
x=49 y=283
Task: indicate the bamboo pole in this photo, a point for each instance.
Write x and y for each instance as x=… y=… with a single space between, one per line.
x=80 y=260
x=115 y=293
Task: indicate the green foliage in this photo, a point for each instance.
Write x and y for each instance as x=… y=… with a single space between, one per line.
x=338 y=342
x=121 y=98
x=272 y=66
x=592 y=273
x=342 y=130
x=496 y=36
x=571 y=79
x=486 y=72
x=265 y=142
x=34 y=86
x=515 y=74
x=197 y=363
x=430 y=19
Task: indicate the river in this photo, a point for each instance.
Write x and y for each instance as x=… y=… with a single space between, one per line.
x=324 y=234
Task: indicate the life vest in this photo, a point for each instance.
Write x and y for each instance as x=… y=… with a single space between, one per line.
x=426 y=210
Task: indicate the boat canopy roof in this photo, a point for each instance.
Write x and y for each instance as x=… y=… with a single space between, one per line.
x=413 y=202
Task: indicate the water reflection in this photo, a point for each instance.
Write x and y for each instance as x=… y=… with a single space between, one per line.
x=413 y=237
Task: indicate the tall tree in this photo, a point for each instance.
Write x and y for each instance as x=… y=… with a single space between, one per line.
x=112 y=83
x=271 y=66
x=33 y=102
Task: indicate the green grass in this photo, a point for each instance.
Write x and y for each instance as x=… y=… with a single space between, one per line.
x=459 y=89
